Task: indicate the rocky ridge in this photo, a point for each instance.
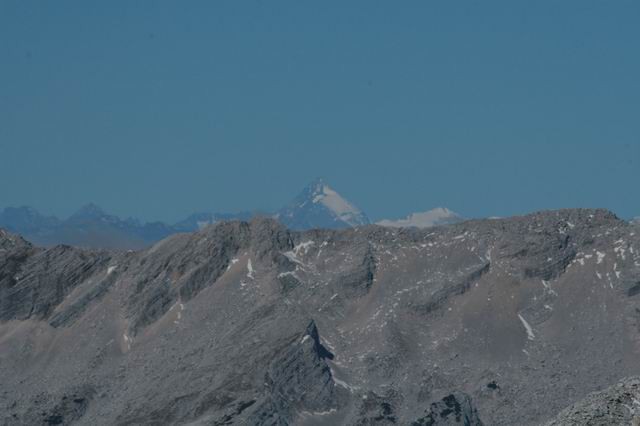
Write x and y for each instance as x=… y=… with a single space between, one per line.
x=435 y=217
x=497 y=321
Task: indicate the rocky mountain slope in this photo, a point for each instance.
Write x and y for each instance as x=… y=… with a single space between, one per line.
x=617 y=405
x=496 y=322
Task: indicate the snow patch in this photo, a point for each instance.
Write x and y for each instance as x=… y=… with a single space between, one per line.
x=527 y=327
x=284 y=274
x=340 y=207
x=128 y=340
x=249 y=269
x=303 y=247
x=547 y=288
x=233 y=262
x=344 y=384
x=325 y=413
x=620 y=250
x=293 y=257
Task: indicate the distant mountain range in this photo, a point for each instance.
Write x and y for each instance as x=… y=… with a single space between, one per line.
x=317 y=206
x=88 y=227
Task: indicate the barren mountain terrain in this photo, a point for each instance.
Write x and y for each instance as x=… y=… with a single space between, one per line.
x=496 y=322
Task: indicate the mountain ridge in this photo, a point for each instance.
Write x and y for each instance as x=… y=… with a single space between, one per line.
x=487 y=319
x=427 y=219
x=318 y=205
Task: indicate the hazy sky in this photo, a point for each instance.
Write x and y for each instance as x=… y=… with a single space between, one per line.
x=158 y=109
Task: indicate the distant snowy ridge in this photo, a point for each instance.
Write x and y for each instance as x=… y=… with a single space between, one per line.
x=317 y=206
x=636 y=220
x=435 y=217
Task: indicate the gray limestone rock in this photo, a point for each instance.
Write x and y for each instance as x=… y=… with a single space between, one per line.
x=453 y=409
x=616 y=405
x=509 y=321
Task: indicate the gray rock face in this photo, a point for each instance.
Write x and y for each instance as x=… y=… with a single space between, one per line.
x=496 y=321
x=617 y=405
x=453 y=409
x=298 y=380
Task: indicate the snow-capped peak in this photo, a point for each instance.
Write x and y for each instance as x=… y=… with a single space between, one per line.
x=320 y=206
x=435 y=217
x=333 y=201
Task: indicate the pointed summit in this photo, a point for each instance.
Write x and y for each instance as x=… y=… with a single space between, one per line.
x=92 y=213
x=89 y=211
x=320 y=206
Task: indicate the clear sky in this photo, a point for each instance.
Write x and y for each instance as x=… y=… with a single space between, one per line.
x=158 y=109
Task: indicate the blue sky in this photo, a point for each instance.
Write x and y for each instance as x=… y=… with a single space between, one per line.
x=157 y=109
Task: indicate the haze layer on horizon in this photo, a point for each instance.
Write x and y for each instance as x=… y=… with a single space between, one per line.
x=156 y=110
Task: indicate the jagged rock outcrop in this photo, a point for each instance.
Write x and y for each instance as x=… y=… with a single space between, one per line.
x=298 y=380
x=252 y=323
x=453 y=409
x=616 y=405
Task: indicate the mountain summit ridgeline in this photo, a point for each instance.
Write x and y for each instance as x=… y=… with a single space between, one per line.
x=317 y=206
